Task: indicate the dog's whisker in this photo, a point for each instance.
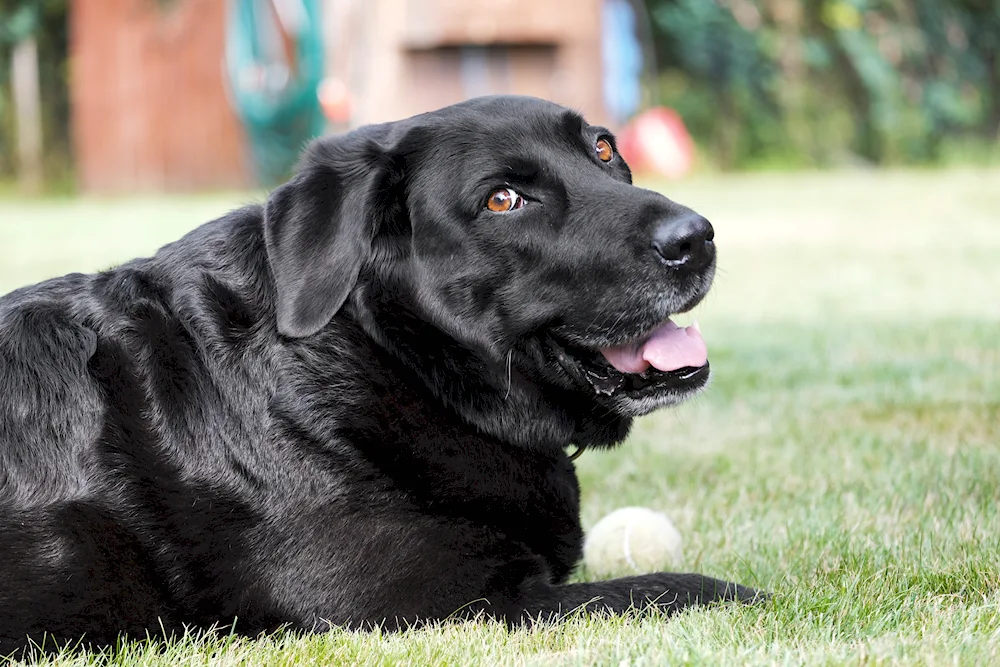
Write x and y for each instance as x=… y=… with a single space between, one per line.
x=510 y=355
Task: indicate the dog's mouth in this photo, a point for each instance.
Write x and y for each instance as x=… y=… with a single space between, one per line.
x=670 y=359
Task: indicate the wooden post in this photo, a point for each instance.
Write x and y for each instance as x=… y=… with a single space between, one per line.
x=28 y=111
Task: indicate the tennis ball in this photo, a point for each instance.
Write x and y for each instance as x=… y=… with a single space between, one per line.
x=631 y=540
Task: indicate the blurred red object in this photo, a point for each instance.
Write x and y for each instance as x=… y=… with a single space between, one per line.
x=335 y=99
x=656 y=141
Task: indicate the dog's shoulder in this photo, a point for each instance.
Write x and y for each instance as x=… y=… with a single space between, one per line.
x=42 y=342
x=66 y=343
x=49 y=404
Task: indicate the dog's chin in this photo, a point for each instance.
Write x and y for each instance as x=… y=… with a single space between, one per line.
x=629 y=405
x=629 y=394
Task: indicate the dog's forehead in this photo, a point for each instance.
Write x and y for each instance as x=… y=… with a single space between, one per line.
x=501 y=134
x=508 y=119
x=504 y=107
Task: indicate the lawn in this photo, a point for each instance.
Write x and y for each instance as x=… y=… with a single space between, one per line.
x=846 y=456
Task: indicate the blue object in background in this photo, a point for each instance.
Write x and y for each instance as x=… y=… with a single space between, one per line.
x=622 y=55
x=274 y=57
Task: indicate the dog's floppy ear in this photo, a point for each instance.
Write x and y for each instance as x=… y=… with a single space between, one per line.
x=319 y=226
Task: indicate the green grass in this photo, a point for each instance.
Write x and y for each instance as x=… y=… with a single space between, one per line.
x=846 y=456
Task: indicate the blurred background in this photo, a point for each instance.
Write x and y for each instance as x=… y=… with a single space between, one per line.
x=185 y=95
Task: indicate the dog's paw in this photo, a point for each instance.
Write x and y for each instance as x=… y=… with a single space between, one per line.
x=724 y=591
x=716 y=590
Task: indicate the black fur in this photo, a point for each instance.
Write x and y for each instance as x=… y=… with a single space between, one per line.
x=348 y=407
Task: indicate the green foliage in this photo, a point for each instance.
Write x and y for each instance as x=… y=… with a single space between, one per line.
x=45 y=20
x=18 y=20
x=734 y=69
x=820 y=82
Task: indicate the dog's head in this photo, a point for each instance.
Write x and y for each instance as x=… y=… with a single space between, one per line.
x=511 y=226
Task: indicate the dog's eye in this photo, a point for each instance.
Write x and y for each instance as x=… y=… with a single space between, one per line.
x=504 y=200
x=605 y=153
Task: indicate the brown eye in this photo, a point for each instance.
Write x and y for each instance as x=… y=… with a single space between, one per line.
x=504 y=200
x=605 y=153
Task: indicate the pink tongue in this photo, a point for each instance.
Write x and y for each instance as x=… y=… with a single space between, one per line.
x=667 y=349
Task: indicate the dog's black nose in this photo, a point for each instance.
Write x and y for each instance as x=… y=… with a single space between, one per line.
x=685 y=241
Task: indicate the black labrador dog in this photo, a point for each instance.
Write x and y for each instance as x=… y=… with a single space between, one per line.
x=351 y=406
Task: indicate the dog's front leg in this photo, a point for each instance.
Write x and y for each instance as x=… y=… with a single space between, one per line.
x=670 y=592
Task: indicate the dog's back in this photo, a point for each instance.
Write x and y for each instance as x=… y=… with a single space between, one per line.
x=112 y=385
